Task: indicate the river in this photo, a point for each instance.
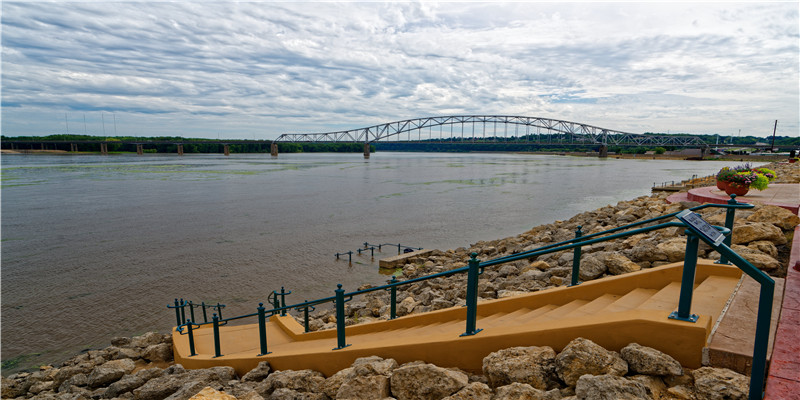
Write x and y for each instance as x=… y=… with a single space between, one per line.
x=97 y=246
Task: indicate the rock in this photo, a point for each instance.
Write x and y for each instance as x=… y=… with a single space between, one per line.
x=648 y=361
x=302 y=381
x=159 y=388
x=592 y=267
x=120 y=341
x=519 y=391
x=149 y=339
x=289 y=394
x=406 y=306
x=12 y=388
x=618 y=264
x=609 y=387
x=680 y=392
x=365 y=387
x=161 y=352
x=757 y=258
x=674 y=249
x=765 y=247
x=41 y=386
x=110 y=371
x=754 y=231
x=720 y=384
x=537 y=265
x=531 y=365
x=65 y=373
x=130 y=382
x=331 y=385
x=654 y=385
x=209 y=393
x=374 y=365
x=74 y=380
x=257 y=374
x=582 y=356
x=473 y=391
x=187 y=390
x=778 y=216
x=425 y=381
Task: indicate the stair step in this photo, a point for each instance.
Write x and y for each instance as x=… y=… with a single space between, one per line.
x=509 y=318
x=593 y=306
x=711 y=295
x=665 y=299
x=559 y=312
x=490 y=318
x=630 y=301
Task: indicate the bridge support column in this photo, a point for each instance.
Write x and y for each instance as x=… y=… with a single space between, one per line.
x=104 y=149
x=366 y=150
x=703 y=152
x=73 y=147
x=603 y=151
x=139 y=149
x=180 y=149
x=273 y=149
x=42 y=146
x=226 y=149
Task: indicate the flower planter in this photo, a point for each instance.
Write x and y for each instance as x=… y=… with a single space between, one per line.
x=792 y=160
x=735 y=188
x=721 y=185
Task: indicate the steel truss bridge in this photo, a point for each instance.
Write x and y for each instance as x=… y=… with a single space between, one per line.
x=492 y=129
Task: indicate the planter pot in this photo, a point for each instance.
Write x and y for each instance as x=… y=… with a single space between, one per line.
x=721 y=185
x=735 y=188
x=792 y=160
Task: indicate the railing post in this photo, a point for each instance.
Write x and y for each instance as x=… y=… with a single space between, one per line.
x=576 y=259
x=340 y=318
x=275 y=301
x=687 y=280
x=205 y=316
x=283 y=302
x=262 y=330
x=219 y=310
x=191 y=339
x=191 y=310
x=177 y=313
x=730 y=215
x=305 y=318
x=472 y=296
x=759 y=367
x=393 y=299
x=215 y=320
x=183 y=312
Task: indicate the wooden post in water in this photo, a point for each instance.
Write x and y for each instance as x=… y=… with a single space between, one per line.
x=366 y=150
x=139 y=149
x=180 y=149
x=273 y=149
x=226 y=149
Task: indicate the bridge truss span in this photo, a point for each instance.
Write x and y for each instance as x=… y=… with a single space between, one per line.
x=492 y=128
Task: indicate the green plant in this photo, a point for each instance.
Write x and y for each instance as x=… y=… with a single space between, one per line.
x=725 y=174
x=760 y=183
x=770 y=174
x=660 y=150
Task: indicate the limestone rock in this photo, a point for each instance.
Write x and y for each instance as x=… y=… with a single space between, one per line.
x=149 y=339
x=12 y=388
x=187 y=390
x=110 y=372
x=257 y=374
x=473 y=391
x=130 y=382
x=531 y=365
x=757 y=258
x=674 y=249
x=159 y=388
x=654 y=385
x=209 y=393
x=582 y=356
x=777 y=216
x=618 y=264
x=649 y=361
x=374 y=365
x=158 y=352
x=519 y=391
x=406 y=306
x=681 y=392
x=425 y=382
x=765 y=247
x=331 y=385
x=592 y=267
x=302 y=381
x=364 y=387
x=754 y=231
x=289 y=394
x=720 y=384
x=609 y=387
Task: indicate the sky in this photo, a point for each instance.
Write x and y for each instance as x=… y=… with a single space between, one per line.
x=255 y=70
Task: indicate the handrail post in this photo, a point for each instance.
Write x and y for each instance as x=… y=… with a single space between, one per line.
x=177 y=313
x=687 y=280
x=472 y=296
x=305 y=318
x=219 y=309
x=275 y=301
x=730 y=215
x=341 y=342
x=205 y=316
x=576 y=259
x=191 y=310
x=215 y=320
x=283 y=302
x=393 y=299
x=183 y=312
x=262 y=330
x=759 y=366
x=191 y=339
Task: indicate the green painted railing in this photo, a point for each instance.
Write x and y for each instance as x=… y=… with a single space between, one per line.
x=475 y=267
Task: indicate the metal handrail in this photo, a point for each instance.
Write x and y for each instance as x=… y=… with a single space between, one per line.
x=475 y=268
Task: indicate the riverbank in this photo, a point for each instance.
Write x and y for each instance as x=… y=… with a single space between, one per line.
x=540 y=274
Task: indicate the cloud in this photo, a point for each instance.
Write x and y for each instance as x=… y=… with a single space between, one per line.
x=242 y=69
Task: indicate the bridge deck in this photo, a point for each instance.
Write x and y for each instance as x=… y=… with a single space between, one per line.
x=613 y=312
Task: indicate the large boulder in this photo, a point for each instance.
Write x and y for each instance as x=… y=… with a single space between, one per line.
x=208 y=393
x=609 y=387
x=778 y=216
x=159 y=388
x=364 y=388
x=149 y=339
x=519 y=391
x=757 y=258
x=532 y=365
x=674 y=249
x=302 y=381
x=592 y=267
x=754 y=231
x=649 y=361
x=374 y=365
x=473 y=391
x=582 y=356
x=257 y=374
x=131 y=382
x=161 y=352
x=331 y=385
x=289 y=394
x=425 y=382
x=618 y=264
x=720 y=384
x=110 y=371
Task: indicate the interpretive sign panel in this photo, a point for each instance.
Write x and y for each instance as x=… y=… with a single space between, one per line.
x=702 y=227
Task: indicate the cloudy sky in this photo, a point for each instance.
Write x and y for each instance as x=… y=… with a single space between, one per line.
x=259 y=69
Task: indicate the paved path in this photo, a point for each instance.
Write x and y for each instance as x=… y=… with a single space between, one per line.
x=786 y=195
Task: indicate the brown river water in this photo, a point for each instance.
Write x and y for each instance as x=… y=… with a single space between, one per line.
x=97 y=246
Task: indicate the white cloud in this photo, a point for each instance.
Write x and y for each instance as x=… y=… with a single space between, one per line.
x=242 y=69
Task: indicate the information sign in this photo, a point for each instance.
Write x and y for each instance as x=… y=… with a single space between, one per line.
x=702 y=227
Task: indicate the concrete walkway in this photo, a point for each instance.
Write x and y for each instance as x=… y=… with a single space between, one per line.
x=786 y=195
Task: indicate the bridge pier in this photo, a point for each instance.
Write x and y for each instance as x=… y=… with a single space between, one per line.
x=273 y=149
x=73 y=147
x=603 y=151
x=104 y=149
x=366 y=150
x=226 y=149
x=140 y=149
x=180 y=149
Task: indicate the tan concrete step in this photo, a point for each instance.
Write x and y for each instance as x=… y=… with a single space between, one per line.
x=592 y=307
x=561 y=311
x=630 y=301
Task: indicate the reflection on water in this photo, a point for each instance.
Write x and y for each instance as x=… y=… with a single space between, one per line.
x=95 y=247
